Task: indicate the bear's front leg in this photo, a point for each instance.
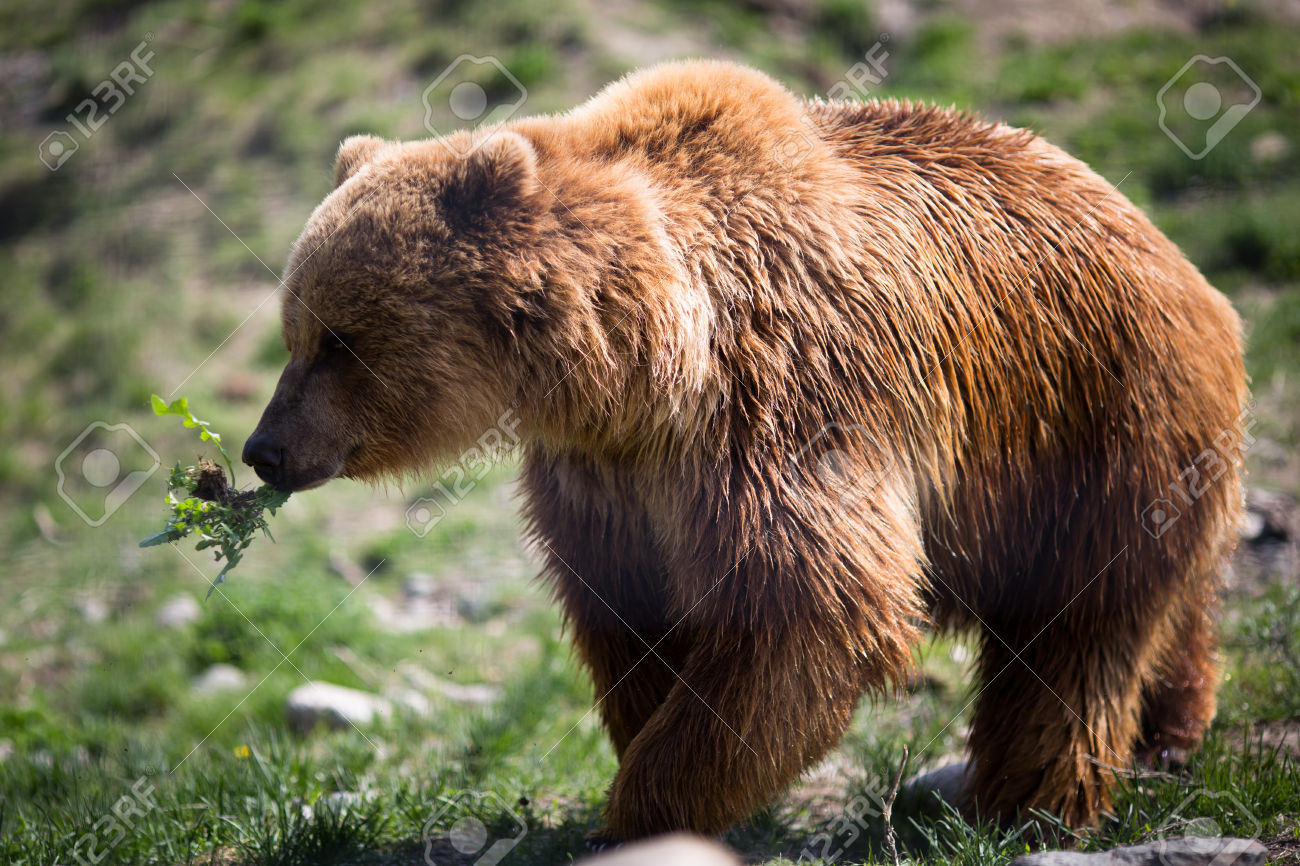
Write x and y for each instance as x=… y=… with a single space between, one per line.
x=605 y=570
x=788 y=612
x=783 y=647
x=748 y=714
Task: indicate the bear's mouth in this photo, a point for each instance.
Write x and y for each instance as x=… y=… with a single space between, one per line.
x=289 y=480
x=314 y=477
x=312 y=485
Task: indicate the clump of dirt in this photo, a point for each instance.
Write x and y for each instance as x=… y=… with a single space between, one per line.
x=213 y=487
x=225 y=518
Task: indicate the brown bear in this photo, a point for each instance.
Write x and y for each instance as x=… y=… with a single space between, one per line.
x=779 y=412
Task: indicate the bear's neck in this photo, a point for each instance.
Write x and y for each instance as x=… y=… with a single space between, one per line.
x=620 y=359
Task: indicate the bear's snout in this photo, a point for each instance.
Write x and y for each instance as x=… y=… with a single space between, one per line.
x=287 y=461
x=290 y=448
x=266 y=456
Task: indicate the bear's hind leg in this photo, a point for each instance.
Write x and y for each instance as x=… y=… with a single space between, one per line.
x=1178 y=705
x=1058 y=708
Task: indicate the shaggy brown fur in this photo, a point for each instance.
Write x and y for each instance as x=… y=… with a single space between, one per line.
x=780 y=412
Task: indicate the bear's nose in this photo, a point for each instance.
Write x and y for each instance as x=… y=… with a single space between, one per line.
x=265 y=455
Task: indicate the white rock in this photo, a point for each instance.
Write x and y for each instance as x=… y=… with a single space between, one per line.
x=412 y=613
x=678 y=849
x=218 y=678
x=335 y=706
x=177 y=611
x=1269 y=147
x=1253 y=526
x=474 y=694
x=410 y=699
x=338 y=802
x=93 y=610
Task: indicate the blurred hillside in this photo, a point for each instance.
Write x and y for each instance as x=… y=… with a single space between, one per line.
x=129 y=265
x=156 y=162
x=120 y=277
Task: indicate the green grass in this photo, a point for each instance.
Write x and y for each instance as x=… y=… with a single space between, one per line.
x=118 y=282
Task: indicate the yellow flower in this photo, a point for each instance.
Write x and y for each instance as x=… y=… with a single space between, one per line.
x=242 y=751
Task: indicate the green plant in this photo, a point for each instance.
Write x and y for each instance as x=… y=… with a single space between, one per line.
x=201 y=501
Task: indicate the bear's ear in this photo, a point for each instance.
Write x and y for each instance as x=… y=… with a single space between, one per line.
x=498 y=179
x=355 y=152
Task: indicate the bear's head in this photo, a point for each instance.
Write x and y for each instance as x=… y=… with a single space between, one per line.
x=400 y=300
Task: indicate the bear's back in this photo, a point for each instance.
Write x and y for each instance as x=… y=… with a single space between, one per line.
x=963 y=286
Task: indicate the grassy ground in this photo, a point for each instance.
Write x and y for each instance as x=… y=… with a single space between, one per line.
x=120 y=279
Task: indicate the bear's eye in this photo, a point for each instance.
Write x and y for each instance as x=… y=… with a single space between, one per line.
x=335 y=341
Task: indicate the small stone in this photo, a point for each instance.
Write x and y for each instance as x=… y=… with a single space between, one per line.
x=178 y=611
x=411 y=613
x=1253 y=526
x=93 y=610
x=474 y=607
x=1180 y=851
x=426 y=684
x=340 y=800
x=336 y=803
x=473 y=694
x=1270 y=517
x=1269 y=147
x=345 y=568
x=218 y=678
x=335 y=706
